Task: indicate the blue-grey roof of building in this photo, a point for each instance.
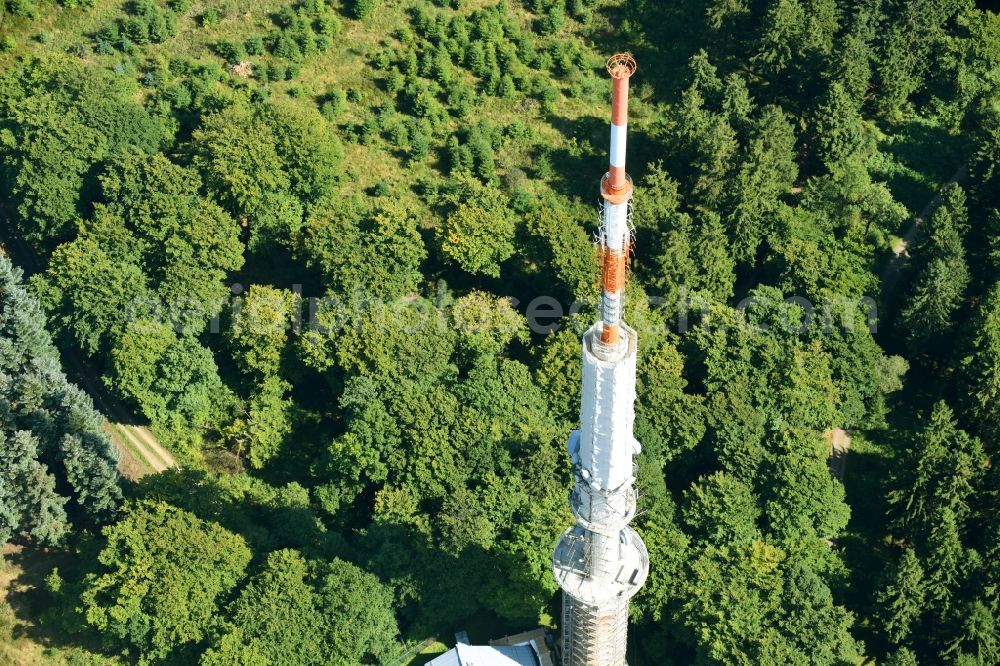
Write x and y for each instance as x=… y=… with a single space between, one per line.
x=483 y=655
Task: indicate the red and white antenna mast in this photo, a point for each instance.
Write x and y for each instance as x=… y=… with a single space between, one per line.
x=601 y=562
x=616 y=190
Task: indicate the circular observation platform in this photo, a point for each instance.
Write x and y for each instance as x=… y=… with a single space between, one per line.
x=621 y=566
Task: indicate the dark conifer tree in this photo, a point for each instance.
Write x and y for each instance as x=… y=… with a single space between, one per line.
x=52 y=441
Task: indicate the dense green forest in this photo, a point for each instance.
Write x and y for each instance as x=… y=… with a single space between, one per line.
x=337 y=254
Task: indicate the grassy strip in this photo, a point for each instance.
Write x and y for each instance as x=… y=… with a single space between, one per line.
x=139 y=459
x=429 y=652
x=154 y=450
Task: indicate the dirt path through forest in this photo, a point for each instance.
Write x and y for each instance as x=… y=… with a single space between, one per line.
x=901 y=251
x=840 y=444
x=152 y=446
x=141 y=453
x=135 y=441
x=140 y=456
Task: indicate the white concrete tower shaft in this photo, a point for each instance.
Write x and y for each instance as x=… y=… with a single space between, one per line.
x=601 y=562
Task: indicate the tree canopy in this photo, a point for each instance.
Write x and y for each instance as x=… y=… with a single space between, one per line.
x=337 y=258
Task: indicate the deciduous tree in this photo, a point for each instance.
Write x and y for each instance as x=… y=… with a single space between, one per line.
x=478 y=233
x=359 y=613
x=367 y=252
x=720 y=510
x=89 y=295
x=275 y=619
x=162 y=577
